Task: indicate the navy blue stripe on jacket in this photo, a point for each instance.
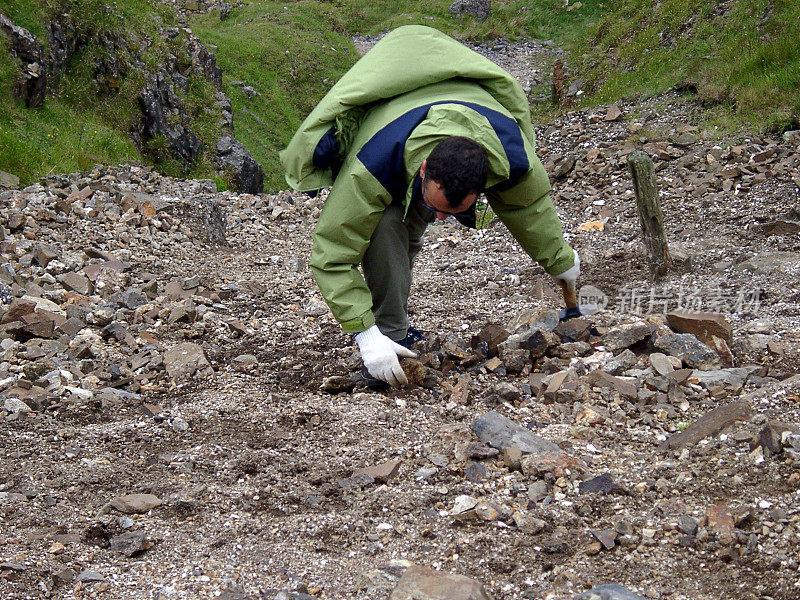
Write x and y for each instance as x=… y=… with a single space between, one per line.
x=382 y=155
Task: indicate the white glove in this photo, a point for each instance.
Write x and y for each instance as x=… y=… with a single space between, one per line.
x=571 y=274
x=380 y=356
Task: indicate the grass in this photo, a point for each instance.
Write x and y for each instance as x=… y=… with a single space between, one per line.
x=88 y=121
x=741 y=57
x=291 y=53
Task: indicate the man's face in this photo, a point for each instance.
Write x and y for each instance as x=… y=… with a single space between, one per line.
x=434 y=199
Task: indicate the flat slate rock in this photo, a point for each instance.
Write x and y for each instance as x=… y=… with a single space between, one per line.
x=709 y=424
x=501 y=432
x=135 y=503
x=608 y=591
x=423 y=583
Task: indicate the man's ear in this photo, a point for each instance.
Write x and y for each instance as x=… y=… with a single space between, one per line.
x=422 y=168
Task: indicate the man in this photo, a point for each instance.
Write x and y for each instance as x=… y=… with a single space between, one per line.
x=416 y=130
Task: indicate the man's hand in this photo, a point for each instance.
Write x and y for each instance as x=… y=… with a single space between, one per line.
x=567 y=281
x=380 y=356
x=571 y=275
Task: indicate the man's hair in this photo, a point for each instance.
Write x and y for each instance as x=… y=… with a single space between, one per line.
x=460 y=166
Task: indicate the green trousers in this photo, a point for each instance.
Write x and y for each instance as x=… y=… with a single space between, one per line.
x=387 y=265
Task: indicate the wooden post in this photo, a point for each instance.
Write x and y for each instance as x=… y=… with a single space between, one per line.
x=650 y=215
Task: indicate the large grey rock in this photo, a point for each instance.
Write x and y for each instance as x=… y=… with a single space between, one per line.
x=130 y=544
x=709 y=424
x=205 y=217
x=423 y=583
x=480 y=9
x=501 y=432
x=732 y=380
x=31 y=85
x=158 y=103
x=185 y=360
x=625 y=336
x=608 y=591
x=231 y=156
x=689 y=349
x=768 y=263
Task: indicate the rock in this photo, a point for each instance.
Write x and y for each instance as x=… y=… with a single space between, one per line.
x=709 y=424
x=720 y=521
x=768 y=263
x=625 y=387
x=8 y=180
x=625 y=336
x=703 y=325
x=661 y=363
x=780 y=227
x=537 y=491
x=15 y=406
x=382 y=472
x=89 y=576
x=135 y=503
x=614 y=113
x=479 y=451
x=480 y=9
x=491 y=335
x=723 y=380
x=573 y=330
x=246 y=363
x=336 y=384
x=602 y=484
x=559 y=463
x=532 y=320
x=771 y=436
x=76 y=282
x=461 y=390
x=233 y=158
x=512 y=457
x=687 y=525
x=416 y=372
x=536 y=342
x=589 y=416
x=608 y=591
x=205 y=217
x=620 y=363
x=501 y=432
x=607 y=537
x=159 y=103
x=423 y=583
x=689 y=349
x=130 y=544
x=515 y=360
x=186 y=360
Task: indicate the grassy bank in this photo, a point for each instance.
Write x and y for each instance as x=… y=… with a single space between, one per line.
x=82 y=124
x=741 y=58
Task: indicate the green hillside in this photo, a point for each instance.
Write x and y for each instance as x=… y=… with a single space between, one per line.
x=739 y=58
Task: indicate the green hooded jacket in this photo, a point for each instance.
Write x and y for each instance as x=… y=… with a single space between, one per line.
x=371 y=132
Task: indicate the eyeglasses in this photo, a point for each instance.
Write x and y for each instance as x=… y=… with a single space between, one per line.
x=465 y=214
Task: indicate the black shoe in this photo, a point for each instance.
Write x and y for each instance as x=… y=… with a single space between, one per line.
x=371 y=382
x=412 y=336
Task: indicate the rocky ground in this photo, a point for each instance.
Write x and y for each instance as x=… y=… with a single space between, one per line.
x=180 y=418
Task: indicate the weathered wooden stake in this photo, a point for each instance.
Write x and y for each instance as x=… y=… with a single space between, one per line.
x=650 y=215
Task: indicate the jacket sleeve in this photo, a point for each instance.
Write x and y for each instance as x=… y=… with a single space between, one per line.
x=528 y=212
x=348 y=219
